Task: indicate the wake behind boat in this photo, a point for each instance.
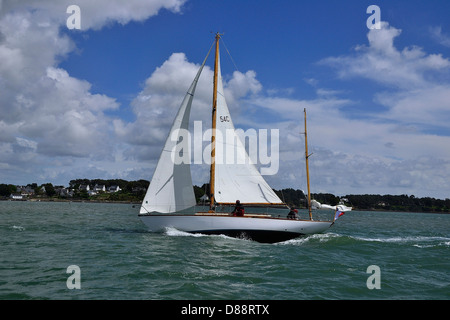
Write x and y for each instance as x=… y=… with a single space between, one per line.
x=170 y=200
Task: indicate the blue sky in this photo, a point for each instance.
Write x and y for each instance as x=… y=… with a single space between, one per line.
x=98 y=102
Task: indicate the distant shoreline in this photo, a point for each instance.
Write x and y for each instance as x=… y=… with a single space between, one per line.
x=72 y=200
x=133 y=192
x=139 y=203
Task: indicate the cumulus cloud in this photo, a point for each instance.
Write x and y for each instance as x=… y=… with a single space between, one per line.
x=382 y=62
x=428 y=108
x=43 y=102
x=94 y=14
x=421 y=80
x=439 y=36
x=417 y=83
x=156 y=105
x=47 y=113
x=396 y=148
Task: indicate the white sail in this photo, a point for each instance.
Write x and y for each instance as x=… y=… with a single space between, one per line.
x=171 y=187
x=317 y=205
x=236 y=177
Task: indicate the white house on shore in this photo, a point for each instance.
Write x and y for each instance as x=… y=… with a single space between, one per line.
x=84 y=187
x=99 y=188
x=114 y=189
x=16 y=196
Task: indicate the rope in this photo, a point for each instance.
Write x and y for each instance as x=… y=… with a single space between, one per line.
x=231 y=58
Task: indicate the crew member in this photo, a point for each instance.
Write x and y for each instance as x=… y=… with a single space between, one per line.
x=238 y=210
x=293 y=214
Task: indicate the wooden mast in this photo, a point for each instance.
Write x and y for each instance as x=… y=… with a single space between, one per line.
x=307 y=169
x=213 y=136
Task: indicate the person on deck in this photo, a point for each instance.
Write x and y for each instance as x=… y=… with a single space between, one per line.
x=238 y=210
x=293 y=214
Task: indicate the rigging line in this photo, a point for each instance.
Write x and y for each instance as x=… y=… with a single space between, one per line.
x=207 y=55
x=229 y=54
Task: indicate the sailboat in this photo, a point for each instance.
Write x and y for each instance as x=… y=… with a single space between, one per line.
x=170 y=201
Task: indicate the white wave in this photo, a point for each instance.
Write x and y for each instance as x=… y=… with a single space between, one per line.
x=18 y=228
x=173 y=232
x=417 y=241
x=439 y=244
x=170 y=231
x=321 y=237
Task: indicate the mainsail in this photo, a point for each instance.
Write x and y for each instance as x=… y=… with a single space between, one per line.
x=171 y=188
x=236 y=177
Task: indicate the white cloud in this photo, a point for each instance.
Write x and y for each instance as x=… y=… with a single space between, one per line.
x=94 y=14
x=156 y=105
x=428 y=107
x=240 y=85
x=48 y=115
x=402 y=149
x=383 y=63
x=439 y=36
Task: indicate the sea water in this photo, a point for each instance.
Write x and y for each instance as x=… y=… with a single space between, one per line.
x=365 y=255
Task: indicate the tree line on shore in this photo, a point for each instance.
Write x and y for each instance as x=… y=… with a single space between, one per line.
x=298 y=199
x=80 y=189
x=374 y=202
x=134 y=191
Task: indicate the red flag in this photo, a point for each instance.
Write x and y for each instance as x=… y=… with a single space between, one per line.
x=338 y=214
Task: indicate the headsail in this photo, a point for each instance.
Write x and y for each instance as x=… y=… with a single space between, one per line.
x=236 y=177
x=171 y=187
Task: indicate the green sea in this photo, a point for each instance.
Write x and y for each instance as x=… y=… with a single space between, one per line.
x=365 y=255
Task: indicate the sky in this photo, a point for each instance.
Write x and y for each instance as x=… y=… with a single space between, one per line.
x=98 y=101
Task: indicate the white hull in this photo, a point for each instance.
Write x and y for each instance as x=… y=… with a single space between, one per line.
x=261 y=229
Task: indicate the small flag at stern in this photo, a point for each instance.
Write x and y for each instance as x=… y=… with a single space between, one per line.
x=338 y=214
